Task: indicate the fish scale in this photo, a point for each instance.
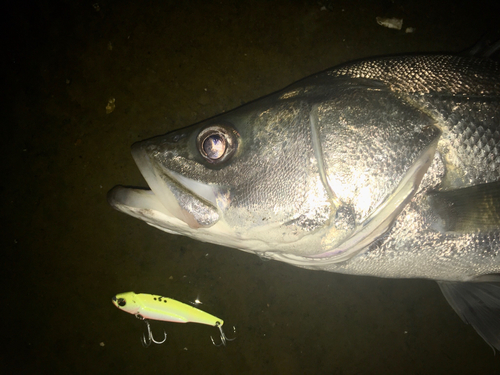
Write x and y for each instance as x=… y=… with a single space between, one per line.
x=428 y=74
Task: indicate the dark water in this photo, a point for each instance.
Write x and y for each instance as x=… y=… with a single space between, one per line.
x=169 y=64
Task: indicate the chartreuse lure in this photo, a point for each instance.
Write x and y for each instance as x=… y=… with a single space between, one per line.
x=149 y=306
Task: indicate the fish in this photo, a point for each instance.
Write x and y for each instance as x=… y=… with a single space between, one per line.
x=386 y=167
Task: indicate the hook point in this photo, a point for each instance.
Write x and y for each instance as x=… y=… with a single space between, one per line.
x=223 y=336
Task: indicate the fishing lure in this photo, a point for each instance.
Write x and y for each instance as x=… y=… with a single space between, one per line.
x=149 y=306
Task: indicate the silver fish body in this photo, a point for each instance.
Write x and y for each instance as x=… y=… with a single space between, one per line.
x=387 y=167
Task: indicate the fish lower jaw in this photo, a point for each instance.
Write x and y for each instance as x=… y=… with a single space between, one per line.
x=180 y=197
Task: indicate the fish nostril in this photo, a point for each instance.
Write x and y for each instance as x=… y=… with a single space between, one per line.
x=177 y=137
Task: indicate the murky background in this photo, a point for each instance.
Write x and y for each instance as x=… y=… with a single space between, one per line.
x=169 y=64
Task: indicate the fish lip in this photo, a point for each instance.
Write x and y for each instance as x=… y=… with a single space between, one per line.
x=145 y=165
x=175 y=192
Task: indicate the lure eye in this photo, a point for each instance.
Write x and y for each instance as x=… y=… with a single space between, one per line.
x=121 y=302
x=217 y=143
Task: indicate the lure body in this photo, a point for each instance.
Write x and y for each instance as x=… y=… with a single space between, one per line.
x=154 y=307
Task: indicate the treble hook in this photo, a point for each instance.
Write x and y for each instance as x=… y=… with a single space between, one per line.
x=147 y=341
x=223 y=337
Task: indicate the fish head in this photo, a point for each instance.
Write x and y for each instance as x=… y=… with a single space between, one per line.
x=318 y=170
x=246 y=179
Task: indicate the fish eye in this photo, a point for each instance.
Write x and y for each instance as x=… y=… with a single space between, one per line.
x=217 y=143
x=214 y=146
x=121 y=302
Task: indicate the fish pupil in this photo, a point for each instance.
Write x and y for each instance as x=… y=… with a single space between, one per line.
x=214 y=146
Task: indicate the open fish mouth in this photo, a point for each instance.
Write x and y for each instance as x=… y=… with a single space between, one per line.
x=174 y=201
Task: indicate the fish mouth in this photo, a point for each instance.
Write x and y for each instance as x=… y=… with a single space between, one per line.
x=173 y=202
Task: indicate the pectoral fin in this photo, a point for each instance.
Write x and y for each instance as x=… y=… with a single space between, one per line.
x=478 y=304
x=471 y=209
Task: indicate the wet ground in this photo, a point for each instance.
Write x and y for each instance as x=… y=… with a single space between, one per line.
x=168 y=64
